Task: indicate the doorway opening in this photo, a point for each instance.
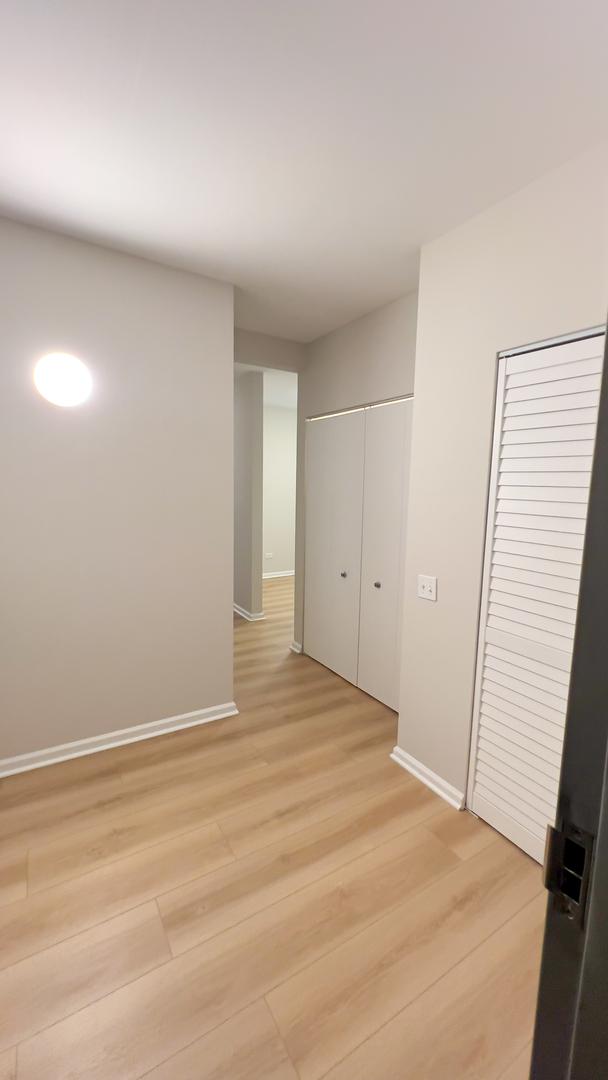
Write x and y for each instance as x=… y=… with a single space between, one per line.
x=265 y=461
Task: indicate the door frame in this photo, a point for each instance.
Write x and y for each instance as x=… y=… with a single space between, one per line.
x=571 y=1035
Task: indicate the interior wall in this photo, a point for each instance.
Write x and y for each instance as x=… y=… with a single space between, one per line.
x=532 y=267
x=261 y=350
x=369 y=359
x=280 y=439
x=248 y=488
x=115 y=553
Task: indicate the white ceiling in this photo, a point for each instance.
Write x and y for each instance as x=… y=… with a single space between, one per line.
x=302 y=149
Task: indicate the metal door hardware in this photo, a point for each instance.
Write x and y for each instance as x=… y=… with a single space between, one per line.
x=567 y=869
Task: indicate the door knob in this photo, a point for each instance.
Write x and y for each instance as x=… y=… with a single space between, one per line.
x=377 y=584
x=343 y=573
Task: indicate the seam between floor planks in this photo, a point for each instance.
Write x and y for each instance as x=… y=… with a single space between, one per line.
x=390 y=1019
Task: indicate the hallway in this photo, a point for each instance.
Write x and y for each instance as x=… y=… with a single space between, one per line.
x=265 y=897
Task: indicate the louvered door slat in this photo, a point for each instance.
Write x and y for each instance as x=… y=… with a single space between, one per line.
x=523 y=661
x=502 y=582
x=560 y=387
x=526 y=678
x=541 y=730
x=550 y=479
x=576 y=448
x=534 y=567
x=519 y=772
x=546 y=412
x=511 y=679
x=555 y=372
x=546 y=434
x=496 y=781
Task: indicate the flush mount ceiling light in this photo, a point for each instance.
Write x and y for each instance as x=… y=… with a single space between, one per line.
x=62 y=379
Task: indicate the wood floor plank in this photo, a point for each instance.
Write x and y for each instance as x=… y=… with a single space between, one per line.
x=155 y=811
x=46 y=918
x=519 y=1069
x=197 y=764
x=247 y=1047
x=291 y=717
x=86 y=850
x=136 y=1028
x=8 y=1065
x=282 y=814
x=327 y=1010
x=478 y=1011
x=464 y=833
x=333 y=723
x=25 y=819
x=286 y=692
x=13 y=877
x=185 y=788
x=359 y=906
x=205 y=907
x=60 y=777
x=58 y=981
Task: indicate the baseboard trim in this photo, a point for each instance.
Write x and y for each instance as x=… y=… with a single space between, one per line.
x=436 y=783
x=37 y=759
x=296 y=647
x=278 y=573
x=251 y=616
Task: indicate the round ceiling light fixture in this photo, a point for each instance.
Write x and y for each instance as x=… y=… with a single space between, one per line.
x=63 y=379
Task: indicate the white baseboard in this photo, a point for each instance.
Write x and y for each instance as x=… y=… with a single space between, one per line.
x=436 y=783
x=278 y=573
x=296 y=647
x=251 y=616
x=51 y=756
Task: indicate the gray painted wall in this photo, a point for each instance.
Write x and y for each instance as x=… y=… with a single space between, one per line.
x=261 y=350
x=116 y=549
x=280 y=438
x=531 y=267
x=248 y=479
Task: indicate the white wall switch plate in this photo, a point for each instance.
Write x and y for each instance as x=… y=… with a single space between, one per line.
x=268 y=555
x=427 y=587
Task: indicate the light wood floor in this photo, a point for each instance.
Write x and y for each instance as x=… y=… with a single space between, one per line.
x=263 y=898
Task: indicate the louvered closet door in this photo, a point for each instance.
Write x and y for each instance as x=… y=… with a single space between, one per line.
x=546 y=416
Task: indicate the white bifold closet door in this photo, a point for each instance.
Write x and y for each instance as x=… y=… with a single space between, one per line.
x=357 y=465
x=387 y=444
x=334 y=511
x=546 y=415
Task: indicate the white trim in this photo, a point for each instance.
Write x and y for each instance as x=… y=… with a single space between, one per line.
x=360 y=408
x=329 y=415
x=547 y=343
x=436 y=783
x=278 y=573
x=390 y=401
x=486 y=570
x=81 y=747
x=296 y=647
x=251 y=616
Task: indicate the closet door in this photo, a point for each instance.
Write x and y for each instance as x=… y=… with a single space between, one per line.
x=387 y=446
x=546 y=416
x=334 y=507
